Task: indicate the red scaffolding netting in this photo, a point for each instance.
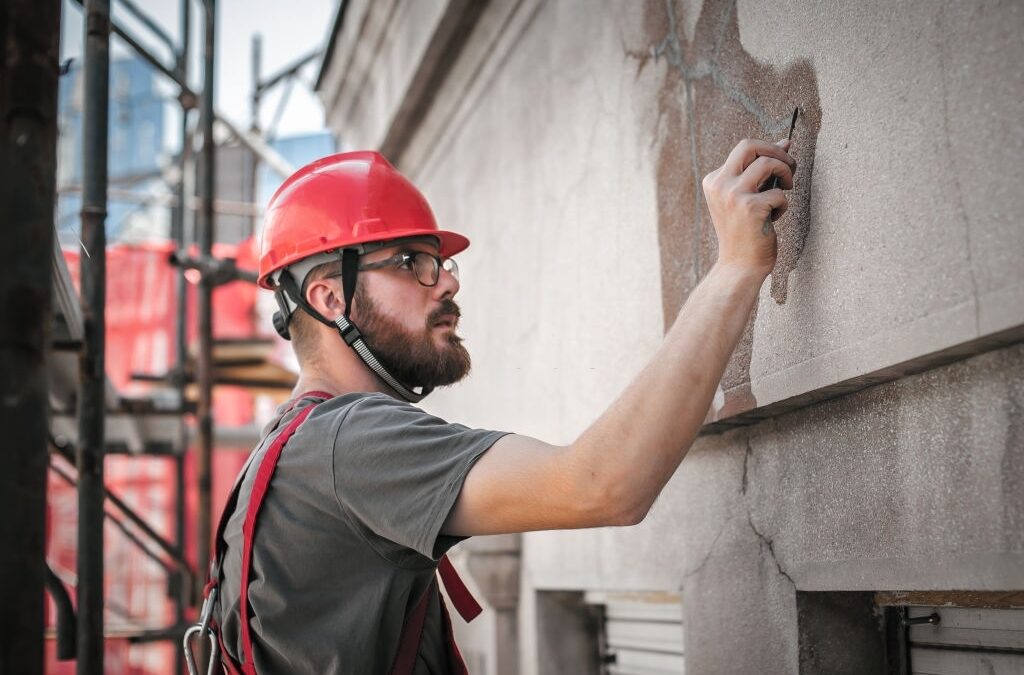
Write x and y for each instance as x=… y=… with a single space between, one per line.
x=140 y=329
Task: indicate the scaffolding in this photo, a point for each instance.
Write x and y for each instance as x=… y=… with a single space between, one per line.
x=67 y=425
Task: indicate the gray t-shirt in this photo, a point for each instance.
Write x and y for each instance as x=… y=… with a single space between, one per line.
x=348 y=537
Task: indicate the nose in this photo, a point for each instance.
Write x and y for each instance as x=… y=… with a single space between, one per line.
x=447 y=284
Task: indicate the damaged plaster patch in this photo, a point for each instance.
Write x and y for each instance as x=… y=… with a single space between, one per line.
x=714 y=94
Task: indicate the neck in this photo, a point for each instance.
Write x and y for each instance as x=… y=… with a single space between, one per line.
x=339 y=372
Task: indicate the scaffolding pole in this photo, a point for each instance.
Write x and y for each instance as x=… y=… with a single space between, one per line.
x=205 y=232
x=91 y=401
x=28 y=157
x=183 y=591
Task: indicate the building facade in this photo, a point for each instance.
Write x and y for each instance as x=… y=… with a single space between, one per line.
x=862 y=467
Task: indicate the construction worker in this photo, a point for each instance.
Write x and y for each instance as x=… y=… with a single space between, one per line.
x=328 y=550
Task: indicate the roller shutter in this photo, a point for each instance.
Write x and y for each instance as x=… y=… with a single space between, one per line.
x=966 y=641
x=642 y=633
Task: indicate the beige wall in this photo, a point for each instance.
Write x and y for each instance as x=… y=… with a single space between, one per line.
x=567 y=140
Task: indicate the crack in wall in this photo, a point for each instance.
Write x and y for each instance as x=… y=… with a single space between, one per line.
x=746 y=460
x=767 y=542
x=706 y=557
x=958 y=193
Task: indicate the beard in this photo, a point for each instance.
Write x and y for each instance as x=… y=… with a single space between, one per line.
x=413 y=357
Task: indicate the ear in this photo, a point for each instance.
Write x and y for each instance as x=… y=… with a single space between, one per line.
x=325 y=296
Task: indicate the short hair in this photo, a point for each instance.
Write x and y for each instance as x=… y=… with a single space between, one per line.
x=302 y=326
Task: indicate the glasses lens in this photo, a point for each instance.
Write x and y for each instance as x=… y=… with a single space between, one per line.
x=426 y=268
x=451 y=267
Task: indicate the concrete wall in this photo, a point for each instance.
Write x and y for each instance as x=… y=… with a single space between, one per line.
x=567 y=139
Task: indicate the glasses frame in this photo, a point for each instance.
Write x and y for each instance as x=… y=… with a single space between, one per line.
x=409 y=257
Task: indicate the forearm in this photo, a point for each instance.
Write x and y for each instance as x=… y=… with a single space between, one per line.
x=633 y=449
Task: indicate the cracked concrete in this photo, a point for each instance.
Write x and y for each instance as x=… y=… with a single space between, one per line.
x=770 y=545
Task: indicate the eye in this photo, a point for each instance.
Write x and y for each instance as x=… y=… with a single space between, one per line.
x=406 y=262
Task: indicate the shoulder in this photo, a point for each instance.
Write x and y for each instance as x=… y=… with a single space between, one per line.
x=381 y=415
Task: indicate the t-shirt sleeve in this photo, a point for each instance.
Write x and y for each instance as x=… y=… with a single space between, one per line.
x=398 y=470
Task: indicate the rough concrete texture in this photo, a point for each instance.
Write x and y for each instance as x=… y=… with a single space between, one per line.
x=912 y=484
x=567 y=142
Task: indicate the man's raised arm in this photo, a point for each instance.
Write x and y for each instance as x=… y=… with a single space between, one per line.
x=613 y=472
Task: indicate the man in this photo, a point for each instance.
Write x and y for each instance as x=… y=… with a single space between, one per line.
x=370 y=491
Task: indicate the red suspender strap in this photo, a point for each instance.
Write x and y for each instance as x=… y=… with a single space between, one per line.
x=412 y=631
x=259 y=490
x=456 y=664
x=463 y=600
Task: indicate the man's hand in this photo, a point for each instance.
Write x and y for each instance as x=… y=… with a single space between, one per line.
x=739 y=209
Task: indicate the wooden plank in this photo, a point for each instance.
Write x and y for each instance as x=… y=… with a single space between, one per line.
x=969 y=617
x=991 y=599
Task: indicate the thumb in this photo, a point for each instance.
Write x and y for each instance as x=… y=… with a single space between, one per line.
x=784 y=143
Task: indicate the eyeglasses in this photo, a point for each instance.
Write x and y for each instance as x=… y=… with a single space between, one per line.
x=426 y=266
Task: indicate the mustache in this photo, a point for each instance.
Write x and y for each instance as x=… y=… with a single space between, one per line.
x=448 y=308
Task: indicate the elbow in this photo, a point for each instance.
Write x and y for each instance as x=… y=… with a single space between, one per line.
x=615 y=507
x=606 y=497
x=629 y=516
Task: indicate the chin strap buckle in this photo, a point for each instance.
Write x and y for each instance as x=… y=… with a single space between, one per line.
x=347 y=329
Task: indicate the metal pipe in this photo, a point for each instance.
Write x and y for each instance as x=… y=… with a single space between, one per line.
x=254 y=124
x=148 y=22
x=184 y=590
x=204 y=365
x=91 y=402
x=252 y=141
x=28 y=159
x=288 y=71
x=255 y=63
x=66 y=621
x=135 y=519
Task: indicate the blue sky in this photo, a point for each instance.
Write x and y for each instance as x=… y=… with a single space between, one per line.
x=289 y=30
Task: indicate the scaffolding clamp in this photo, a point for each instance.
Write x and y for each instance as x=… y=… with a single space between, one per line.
x=215 y=271
x=200 y=629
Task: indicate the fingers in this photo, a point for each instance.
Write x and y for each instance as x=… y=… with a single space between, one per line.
x=762 y=169
x=776 y=201
x=746 y=151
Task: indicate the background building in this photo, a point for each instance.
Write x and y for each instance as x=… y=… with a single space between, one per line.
x=864 y=460
x=137 y=153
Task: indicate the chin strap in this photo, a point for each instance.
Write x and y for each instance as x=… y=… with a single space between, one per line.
x=288 y=293
x=354 y=339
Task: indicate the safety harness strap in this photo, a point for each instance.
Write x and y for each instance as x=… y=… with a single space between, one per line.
x=463 y=600
x=220 y=545
x=259 y=492
x=412 y=630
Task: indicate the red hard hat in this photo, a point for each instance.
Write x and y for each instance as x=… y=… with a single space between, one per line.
x=341 y=200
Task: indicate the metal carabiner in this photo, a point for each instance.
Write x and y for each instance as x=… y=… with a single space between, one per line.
x=199 y=629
